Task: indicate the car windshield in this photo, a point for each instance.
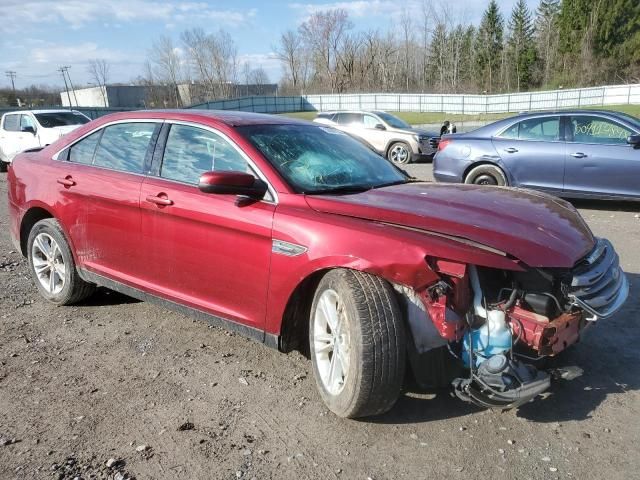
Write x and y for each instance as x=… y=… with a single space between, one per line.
x=317 y=159
x=61 y=119
x=392 y=120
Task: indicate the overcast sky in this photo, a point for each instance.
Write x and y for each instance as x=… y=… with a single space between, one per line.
x=38 y=36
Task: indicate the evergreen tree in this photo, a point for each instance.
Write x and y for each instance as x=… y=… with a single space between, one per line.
x=521 y=50
x=489 y=44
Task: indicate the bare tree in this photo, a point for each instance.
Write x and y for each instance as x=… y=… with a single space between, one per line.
x=291 y=52
x=324 y=32
x=98 y=70
x=167 y=65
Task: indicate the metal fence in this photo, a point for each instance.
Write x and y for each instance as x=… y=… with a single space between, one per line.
x=445 y=103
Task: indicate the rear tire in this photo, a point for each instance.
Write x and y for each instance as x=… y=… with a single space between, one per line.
x=357 y=343
x=487 y=175
x=399 y=153
x=4 y=166
x=52 y=265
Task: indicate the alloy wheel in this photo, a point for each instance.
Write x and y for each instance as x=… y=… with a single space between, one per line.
x=399 y=154
x=48 y=263
x=332 y=341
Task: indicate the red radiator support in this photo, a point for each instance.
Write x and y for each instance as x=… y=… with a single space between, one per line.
x=547 y=337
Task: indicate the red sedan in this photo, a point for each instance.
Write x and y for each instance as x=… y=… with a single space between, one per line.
x=300 y=237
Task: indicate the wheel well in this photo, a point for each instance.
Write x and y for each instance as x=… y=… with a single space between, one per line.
x=294 y=333
x=33 y=216
x=477 y=164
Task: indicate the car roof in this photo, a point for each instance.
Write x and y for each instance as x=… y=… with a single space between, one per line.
x=58 y=110
x=226 y=117
x=584 y=111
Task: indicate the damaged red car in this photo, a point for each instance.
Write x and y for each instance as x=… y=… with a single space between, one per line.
x=300 y=237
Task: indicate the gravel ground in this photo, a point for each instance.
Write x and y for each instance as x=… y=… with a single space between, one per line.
x=157 y=395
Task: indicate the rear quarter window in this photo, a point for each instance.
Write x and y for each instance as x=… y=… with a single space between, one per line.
x=11 y=123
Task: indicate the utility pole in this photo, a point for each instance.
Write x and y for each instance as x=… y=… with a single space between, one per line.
x=66 y=69
x=66 y=87
x=12 y=76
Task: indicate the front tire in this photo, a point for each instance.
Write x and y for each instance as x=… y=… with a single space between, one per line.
x=52 y=266
x=487 y=175
x=357 y=344
x=399 y=153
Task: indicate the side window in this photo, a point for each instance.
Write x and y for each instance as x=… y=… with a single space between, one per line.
x=124 y=146
x=541 y=129
x=511 y=132
x=82 y=152
x=587 y=129
x=370 y=121
x=353 y=119
x=11 y=123
x=192 y=151
x=26 y=121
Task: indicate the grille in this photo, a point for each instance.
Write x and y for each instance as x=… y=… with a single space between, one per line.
x=598 y=284
x=433 y=142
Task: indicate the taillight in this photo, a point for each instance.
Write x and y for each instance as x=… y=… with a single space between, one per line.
x=443 y=144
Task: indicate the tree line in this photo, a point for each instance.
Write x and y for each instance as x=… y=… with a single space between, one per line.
x=567 y=43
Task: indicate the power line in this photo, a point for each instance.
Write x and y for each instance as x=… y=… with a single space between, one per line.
x=66 y=87
x=12 y=75
x=66 y=69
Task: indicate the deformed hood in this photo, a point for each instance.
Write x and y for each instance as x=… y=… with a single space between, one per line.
x=538 y=229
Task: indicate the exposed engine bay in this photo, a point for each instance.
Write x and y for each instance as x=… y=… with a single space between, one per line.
x=498 y=323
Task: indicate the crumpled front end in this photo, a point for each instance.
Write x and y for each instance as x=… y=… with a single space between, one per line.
x=497 y=323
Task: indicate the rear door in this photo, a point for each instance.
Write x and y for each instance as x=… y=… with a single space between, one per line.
x=208 y=251
x=100 y=189
x=533 y=153
x=600 y=162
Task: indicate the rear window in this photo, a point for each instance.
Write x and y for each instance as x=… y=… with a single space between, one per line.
x=61 y=119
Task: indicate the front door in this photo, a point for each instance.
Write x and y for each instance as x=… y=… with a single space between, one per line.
x=599 y=160
x=533 y=152
x=208 y=251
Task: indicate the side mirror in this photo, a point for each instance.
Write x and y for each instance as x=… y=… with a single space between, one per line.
x=29 y=129
x=380 y=126
x=634 y=140
x=232 y=183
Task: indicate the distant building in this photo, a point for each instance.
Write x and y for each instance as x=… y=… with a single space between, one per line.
x=154 y=96
x=116 y=96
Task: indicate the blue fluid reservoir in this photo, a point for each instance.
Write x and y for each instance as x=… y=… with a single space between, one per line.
x=493 y=338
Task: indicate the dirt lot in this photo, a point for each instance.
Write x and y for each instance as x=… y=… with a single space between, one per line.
x=168 y=397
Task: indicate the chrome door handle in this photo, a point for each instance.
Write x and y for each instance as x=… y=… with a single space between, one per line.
x=511 y=150
x=160 y=201
x=67 y=181
x=578 y=155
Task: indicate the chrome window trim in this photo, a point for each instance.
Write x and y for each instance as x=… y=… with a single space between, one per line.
x=250 y=162
x=91 y=132
x=518 y=120
x=262 y=176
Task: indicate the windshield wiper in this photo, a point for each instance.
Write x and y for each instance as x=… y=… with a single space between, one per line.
x=398 y=182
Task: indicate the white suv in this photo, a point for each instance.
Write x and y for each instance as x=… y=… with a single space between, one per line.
x=388 y=135
x=26 y=129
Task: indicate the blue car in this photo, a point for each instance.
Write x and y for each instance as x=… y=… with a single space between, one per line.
x=574 y=154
